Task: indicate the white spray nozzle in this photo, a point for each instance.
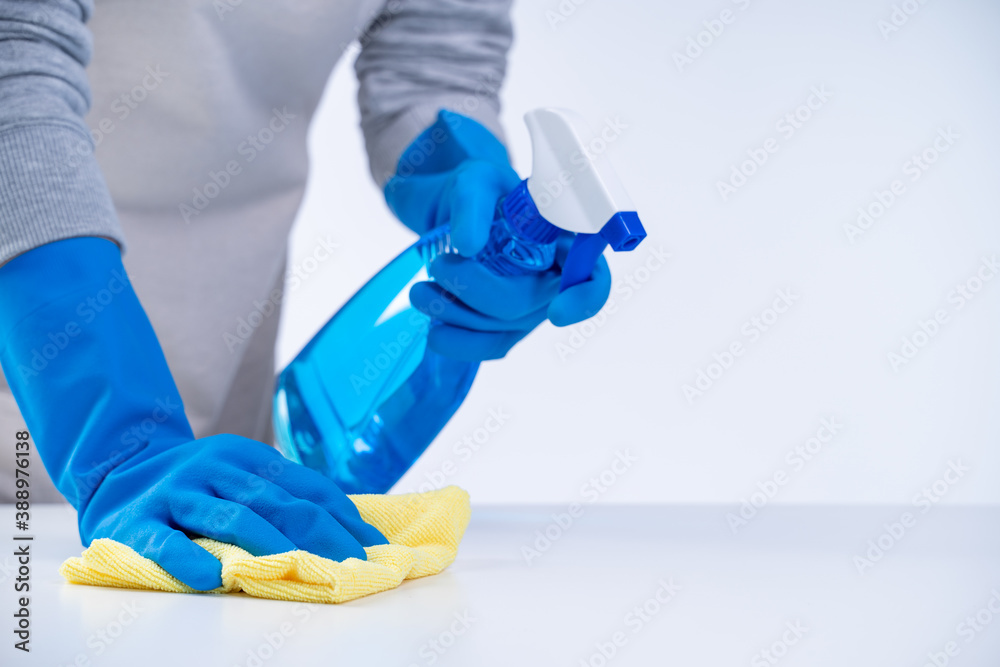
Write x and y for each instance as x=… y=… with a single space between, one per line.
x=573 y=185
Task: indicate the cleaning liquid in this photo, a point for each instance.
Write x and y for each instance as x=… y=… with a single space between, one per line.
x=365 y=397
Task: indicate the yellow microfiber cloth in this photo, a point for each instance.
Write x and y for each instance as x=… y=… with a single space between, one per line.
x=423 y=530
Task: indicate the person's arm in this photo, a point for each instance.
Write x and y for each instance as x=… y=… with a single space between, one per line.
x=83 y=361
x=429 y=75
x=88 y=374
x=51 y=187
x=421 y=56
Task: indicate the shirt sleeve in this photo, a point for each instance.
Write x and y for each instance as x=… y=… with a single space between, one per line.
x=51 y=187
x=420 y=56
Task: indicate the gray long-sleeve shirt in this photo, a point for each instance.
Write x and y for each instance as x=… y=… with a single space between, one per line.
x=193 y=153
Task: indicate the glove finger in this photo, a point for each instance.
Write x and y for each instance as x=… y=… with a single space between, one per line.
x=502 y=297
x=417 y=199
x=439 y=304
x=465 y=345
x=582 y=301
x=176 y=553
x=307 y=525
x=472 y=201
x=231 y=522
x=258 y=477
x=311 y=486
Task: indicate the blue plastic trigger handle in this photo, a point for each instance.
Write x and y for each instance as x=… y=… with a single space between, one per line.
x=623 y=232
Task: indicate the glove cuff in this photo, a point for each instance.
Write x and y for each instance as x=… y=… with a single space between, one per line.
x=83 y=363
x=448 y=142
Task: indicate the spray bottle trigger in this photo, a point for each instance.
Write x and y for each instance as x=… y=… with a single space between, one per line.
x=623 y=232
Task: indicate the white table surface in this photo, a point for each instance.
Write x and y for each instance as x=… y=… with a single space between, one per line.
x=737 y=594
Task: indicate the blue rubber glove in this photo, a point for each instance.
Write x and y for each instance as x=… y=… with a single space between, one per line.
x=455 y=172
x=93 y=386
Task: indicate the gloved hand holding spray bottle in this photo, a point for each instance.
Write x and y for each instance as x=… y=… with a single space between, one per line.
x=367 y=395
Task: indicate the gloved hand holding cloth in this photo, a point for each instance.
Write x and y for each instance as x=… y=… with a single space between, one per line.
x=93 y=385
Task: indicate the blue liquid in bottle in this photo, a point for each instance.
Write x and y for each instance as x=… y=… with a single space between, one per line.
x=365 y=397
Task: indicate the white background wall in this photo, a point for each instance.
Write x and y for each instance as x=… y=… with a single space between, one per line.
x=783 y=230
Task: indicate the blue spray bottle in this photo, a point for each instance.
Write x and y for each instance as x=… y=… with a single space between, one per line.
x=365 y=397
